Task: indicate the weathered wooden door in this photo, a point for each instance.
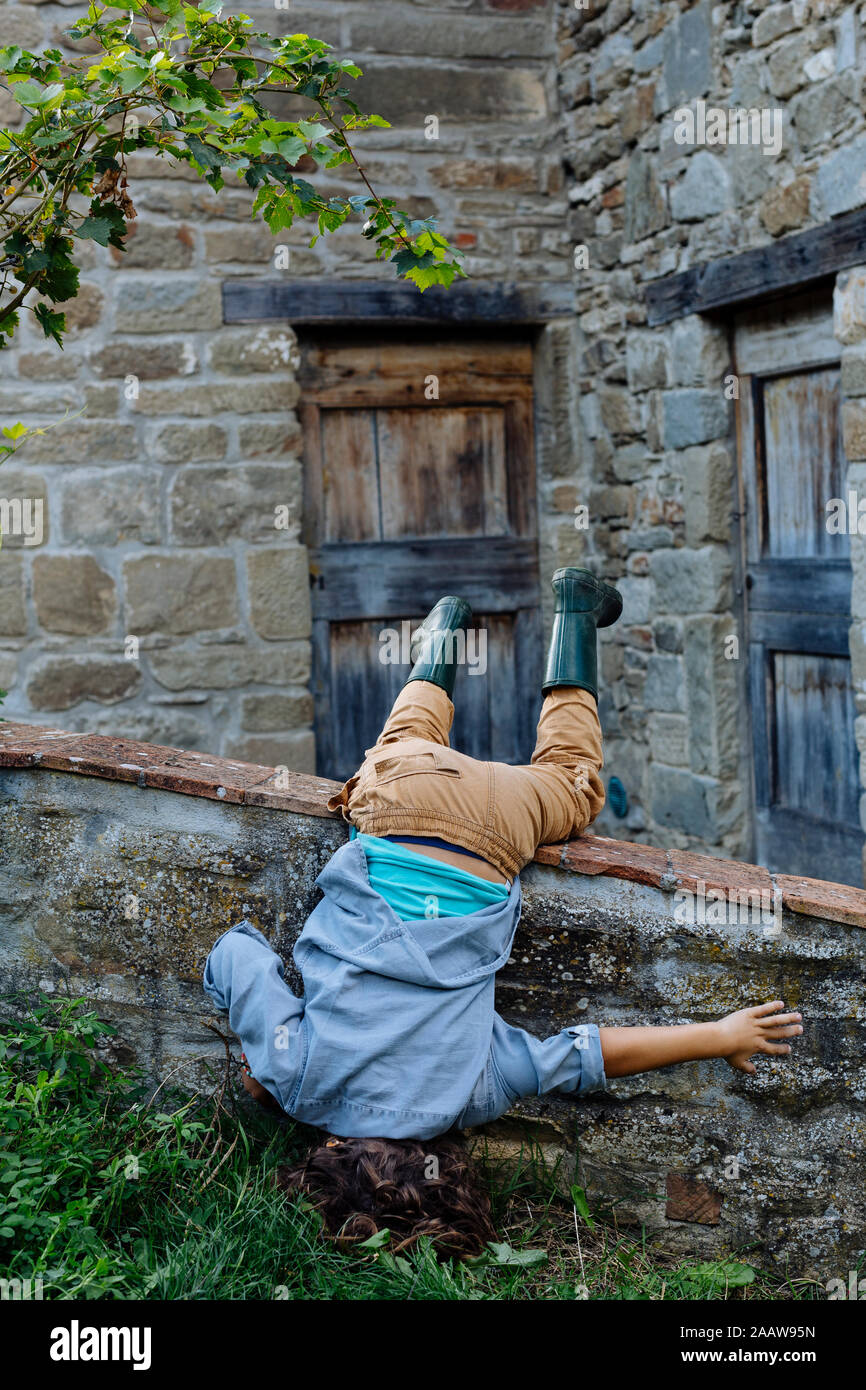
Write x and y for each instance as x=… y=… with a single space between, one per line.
x=420 y=481
x=797 y=593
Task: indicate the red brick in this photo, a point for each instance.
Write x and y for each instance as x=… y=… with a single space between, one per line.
x=727 y=874
x=549 y=854
x=296 y=792
x=150 y=765
x=591 y=854
x=834 y=902
x=689 y=1199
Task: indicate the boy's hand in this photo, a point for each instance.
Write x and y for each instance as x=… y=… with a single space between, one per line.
x=255 y=1088
x=756 y=1030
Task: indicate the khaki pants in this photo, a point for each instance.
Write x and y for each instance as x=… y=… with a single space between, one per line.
x=412 y=783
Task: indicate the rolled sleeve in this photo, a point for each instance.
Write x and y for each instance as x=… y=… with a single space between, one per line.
x=242 y=974
x=570 y=1062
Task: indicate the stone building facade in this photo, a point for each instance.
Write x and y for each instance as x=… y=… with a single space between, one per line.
x=163 y=602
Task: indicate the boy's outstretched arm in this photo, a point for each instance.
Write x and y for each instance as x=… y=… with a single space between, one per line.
x=736 y=1038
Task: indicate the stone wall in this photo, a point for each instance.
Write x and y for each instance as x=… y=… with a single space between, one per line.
x=655 y=459
x=167 y=599
x=556 y=133
x=122 y=862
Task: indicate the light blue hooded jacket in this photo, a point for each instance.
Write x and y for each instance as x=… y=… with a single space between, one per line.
x=396 y=1035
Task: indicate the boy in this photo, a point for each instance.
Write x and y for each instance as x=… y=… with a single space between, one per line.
x=396 y=1040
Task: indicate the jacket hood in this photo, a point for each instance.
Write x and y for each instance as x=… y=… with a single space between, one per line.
x=360 y=928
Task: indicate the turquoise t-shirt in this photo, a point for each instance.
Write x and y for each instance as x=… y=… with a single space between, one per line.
x=416 y=886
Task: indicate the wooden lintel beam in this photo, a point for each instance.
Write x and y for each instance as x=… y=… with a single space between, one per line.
x=792 y=262
x=372 y=301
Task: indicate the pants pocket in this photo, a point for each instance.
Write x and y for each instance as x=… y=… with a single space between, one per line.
x=427 y=763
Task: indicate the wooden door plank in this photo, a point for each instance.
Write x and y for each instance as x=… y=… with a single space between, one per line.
x=748 y=453
x=350 y=507
x=793 y=585
x=528 y=658
x=435 y=473
x=799 y=334
x=759 y=700
x=309 y=417
x=804 y=462
x=801 y=632
x=814 y=717
x=324 y=727
x=520 y=455
x=497 y=575
x=425 y=374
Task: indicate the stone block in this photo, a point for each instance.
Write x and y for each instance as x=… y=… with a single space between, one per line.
x=700 y=354
x=180 y=594
x=227 y=666
x=108 y=506
x=713 y=697
x=854 y=371
x=822 y=111
x=189 y=443
x=840 y=181
x=849 y=306
x=691 y=581
x=295 y=751
x=278 y=582
x=147 y=361
x=683 y=801
x=84 y=311
x=203 y=400
x=704 y=190
x=456 y=92
x=57 y=682
x=24 y=515
x=786 y=66
x=73 y=594
x=665 y=687
x=692 y=416
x=253 y=245
x=688 y=55
x=96 y=441
x=461 y=36
x=708 y=483
x=772 y=24
x=669 y=739
x=210 y=506
x=13 y=612
x=263 y=349
x=156 y=246
x=647 y=359
x=786 y=207
x=146 y=304
x=636 y=599
x=290 y=709
x=645 y=208
x=854 y=429
x=269 y=438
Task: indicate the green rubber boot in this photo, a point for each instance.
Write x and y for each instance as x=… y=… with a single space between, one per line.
x=439 y=646
x=583 y=604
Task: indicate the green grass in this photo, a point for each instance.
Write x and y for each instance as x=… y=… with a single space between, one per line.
x=109 y=1192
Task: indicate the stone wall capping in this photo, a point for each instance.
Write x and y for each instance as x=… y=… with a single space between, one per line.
x=171 y=769
x=227 y=779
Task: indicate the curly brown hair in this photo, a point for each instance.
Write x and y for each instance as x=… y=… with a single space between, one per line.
x=412 y=1187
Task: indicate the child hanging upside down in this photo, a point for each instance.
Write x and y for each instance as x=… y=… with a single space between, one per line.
x=396 y=1040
